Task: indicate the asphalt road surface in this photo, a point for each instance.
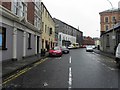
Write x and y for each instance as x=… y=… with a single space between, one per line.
x=79 y=69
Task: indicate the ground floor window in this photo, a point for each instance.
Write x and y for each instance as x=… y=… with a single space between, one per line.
x=3 y=38
x=42 y=43
x=29 y=41
x=107 y=41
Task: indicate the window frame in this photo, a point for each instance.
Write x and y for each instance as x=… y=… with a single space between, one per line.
x=106 y=19
x=108 y=41
x=3 y=33
x=29 y=41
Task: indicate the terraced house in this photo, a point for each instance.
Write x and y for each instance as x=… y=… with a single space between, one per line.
x=48 y=29
x=20 y=29
x=67 y=34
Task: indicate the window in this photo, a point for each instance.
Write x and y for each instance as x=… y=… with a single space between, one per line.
x=106 y=27
x=35 y=21
x=3 y=38
x=42 y=25
x=19 y=8
x=29 y=41
x=50 y=31
x=45 y=28
x=107 y=41
x=37 y=16
x=114 y=19
x=59 y=37
x=106 y=19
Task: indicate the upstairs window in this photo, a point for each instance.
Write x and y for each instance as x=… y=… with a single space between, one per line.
x=106 y=27
x=114 y=19
x=106 y=20
x=19 y=8
x=45 y=28
x=50 y=31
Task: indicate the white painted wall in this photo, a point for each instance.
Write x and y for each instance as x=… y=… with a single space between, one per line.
x=70 y=38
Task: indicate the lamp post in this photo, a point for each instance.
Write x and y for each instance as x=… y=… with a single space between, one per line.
x=113 y=21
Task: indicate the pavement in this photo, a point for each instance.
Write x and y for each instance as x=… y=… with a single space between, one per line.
x=9 y=67
x=104 y=53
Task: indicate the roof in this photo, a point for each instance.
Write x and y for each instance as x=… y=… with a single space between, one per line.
x=110 y=10
x=47 y=10
x=68 y=25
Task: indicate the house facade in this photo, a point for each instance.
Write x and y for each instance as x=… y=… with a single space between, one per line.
x=67 y=34
x=108 y=42
x=20 y=29
x=65 y=40
x=48 y=29
x=110 y=30
x=108 y=19
x=88 y=40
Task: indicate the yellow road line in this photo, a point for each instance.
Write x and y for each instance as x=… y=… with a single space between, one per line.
x=15 y=74
x=14 y=77
x=22 y=72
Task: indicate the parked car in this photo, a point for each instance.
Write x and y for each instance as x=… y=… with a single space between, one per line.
x=70 y=46
x=65 y=50
x=117 y=55
x=83 y=46
x=93 y=46
x=76 y=45
x=56 y=51
x=89 y=48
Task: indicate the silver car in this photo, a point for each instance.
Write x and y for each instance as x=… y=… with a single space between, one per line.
x=65 y=50
x=89 y=48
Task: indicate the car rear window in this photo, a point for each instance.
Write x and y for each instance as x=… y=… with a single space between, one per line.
x=56 y=48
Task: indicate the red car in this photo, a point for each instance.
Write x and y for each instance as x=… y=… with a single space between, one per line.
x=56 y=51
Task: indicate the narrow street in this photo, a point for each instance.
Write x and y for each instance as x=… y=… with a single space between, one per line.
x=79 y=69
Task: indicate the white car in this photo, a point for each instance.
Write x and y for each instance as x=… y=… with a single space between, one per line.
x=70 y=46
x=117 y=55
x=89 y=48
x=93 y=46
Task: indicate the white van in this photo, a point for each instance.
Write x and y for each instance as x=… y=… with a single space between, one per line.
x=117 y=55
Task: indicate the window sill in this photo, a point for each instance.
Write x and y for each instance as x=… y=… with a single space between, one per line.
x=3 y=48
x=107 y=46
x=29 y=48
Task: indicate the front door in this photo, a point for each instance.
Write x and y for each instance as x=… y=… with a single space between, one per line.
x=37 y=44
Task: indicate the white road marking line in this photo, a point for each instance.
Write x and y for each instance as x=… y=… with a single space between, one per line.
x=70 y=60
x=70 y=77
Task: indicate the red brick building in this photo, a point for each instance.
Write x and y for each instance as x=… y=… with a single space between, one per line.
x=108 y=19
x=88 y=41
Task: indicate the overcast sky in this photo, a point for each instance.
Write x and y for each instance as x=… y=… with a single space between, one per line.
x=82 y=13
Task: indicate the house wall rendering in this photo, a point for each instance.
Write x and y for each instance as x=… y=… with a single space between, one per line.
x=20 y=34
x=48 y=29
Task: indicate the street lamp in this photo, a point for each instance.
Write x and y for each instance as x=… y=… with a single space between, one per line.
x=113 y=36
